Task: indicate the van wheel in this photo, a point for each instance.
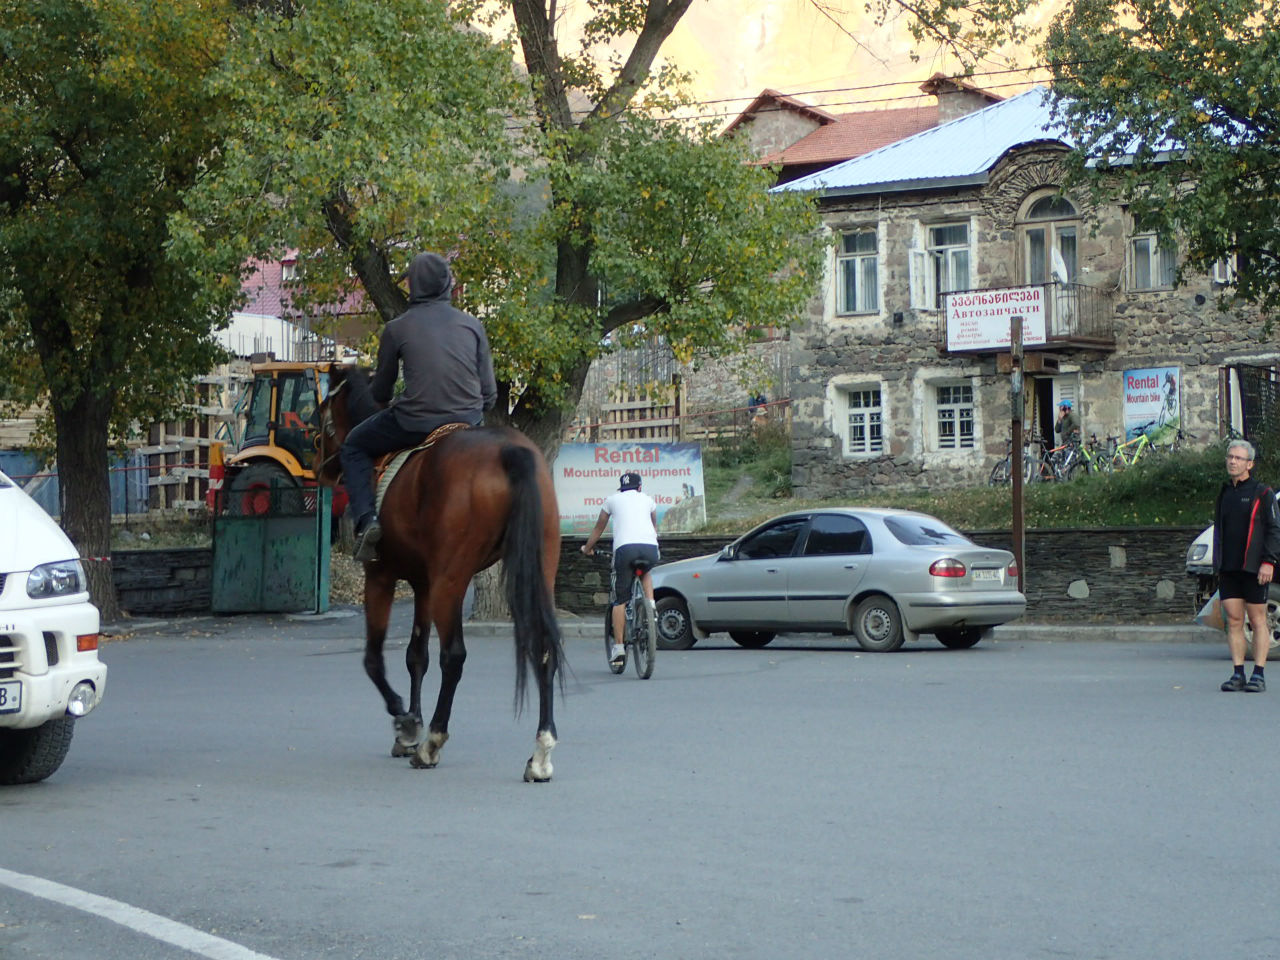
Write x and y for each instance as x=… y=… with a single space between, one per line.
x=27 y=756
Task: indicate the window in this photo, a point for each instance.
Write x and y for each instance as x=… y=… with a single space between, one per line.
x=857 y=269
x=1224 y=270
x=1152 y=266
x=949 y=253
x=833 y=534
x=922 y=531
x=289 y=271
x=953 y=407
x=1049 y=228
x=865 y=424
x=775 y=541
x=941 y=267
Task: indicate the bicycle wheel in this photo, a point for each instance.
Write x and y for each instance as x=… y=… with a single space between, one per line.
x=1031 y=468
x=644 y=635
x=1000 y=473
x=608 y=643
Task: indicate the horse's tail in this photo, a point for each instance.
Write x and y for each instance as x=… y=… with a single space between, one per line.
x=532 y=610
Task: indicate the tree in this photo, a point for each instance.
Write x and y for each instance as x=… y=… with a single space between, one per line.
x=971 y=30
x=1172 y=106
x=579 y=219
x=103 y=124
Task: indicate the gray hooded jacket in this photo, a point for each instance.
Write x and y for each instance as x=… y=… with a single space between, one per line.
x=448 y=371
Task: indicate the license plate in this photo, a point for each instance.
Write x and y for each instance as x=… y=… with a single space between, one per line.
x=10 y=696
x=986 y=574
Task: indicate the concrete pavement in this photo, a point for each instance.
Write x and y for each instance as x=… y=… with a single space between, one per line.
x=577 y=627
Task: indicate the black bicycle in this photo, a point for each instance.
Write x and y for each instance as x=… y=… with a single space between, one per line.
x=640 y=626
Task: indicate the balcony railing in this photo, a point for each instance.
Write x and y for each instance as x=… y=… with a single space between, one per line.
x=1076 y=315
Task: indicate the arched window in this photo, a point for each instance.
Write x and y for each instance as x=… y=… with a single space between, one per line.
x=1048 y=227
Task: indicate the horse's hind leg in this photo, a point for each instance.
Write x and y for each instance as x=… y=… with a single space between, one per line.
x=409 y=726
x=446 y=609
x=539 y=769
x=378 y=594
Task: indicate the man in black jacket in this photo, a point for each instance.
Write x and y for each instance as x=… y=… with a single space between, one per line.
x=448 y=378
x=1246 y=546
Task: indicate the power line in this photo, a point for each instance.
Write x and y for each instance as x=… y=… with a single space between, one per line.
x=711 y=115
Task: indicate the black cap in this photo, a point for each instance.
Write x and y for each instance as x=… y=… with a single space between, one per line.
x=629 y=481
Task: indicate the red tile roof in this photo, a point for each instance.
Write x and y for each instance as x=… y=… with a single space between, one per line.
x=853 y=134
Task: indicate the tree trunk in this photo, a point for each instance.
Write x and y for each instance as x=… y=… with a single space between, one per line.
x=85 y=481
x=490 y=599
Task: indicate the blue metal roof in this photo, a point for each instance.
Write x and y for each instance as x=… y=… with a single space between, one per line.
x=957 y=153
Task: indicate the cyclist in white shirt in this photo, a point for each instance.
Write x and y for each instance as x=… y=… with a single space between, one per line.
x=635 y=536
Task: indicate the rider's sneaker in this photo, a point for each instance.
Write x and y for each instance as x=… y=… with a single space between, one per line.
x=367 y=542
x=618 y=656
x=1256 y=684
x=1233 y=683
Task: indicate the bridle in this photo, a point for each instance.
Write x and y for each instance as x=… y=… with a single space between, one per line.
x=330 y=430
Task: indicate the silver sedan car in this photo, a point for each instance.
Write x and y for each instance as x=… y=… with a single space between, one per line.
x=883 y=575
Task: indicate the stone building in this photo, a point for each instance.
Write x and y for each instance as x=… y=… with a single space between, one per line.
x=887 y=390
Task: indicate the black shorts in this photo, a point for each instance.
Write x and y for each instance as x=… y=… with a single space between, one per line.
x=623 y=574
x=1241 y=585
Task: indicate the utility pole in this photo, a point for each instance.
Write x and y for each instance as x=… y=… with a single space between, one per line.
x=1015 y=455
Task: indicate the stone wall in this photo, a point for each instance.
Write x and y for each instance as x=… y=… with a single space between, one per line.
x=1115 y=575
x=164 y=582
x=897 y=349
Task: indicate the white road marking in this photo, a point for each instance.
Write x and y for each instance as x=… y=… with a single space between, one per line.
x=141 y=921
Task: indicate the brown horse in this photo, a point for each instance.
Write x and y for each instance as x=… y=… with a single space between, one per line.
x=473 y=497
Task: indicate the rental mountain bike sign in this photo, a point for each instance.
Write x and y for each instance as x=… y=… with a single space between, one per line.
x=1151 y=401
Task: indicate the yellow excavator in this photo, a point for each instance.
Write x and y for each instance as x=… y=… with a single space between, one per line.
x=277 y=445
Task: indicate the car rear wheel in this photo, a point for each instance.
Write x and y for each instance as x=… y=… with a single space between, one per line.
x=878 y=625
x=1273 y=622
x=28 y=756
x=675 y=629
x=751 y=639
x=959 y=639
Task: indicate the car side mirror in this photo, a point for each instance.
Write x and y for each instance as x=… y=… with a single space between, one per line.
x=726 y=552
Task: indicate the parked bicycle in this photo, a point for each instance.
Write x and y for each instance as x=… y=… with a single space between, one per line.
x=1093 y=457
x=1056 y=463
x=1126 y=454
x=640 y=626
x=1002 y=472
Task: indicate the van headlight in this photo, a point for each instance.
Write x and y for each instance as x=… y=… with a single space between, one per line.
x=59 y=579
x=1197 y=552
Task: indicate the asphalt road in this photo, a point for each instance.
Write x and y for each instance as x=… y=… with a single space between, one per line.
x=234 y=798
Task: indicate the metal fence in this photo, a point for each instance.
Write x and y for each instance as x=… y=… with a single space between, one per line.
x=1259 y=405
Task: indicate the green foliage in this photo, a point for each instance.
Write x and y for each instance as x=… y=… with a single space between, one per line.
x=1160 y=490
x=1172 y=106
x=103 y=124
x=415 y=133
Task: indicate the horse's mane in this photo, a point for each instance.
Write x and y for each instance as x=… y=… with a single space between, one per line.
x=360 y=402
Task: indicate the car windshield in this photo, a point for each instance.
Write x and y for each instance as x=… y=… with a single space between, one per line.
x=920 y=531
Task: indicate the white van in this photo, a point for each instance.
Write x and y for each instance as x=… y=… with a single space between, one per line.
x=50 y=673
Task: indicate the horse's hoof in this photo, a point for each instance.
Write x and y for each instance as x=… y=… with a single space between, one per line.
x=542 y=776
x=399 y=749
x=538 y=769
x=427 y=753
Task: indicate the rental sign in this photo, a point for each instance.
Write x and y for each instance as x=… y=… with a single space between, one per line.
x=979 y=319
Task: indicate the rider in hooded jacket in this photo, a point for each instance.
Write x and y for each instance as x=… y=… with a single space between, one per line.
x=448 y=378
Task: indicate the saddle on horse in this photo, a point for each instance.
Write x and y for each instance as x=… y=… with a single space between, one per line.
x=387 y=466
